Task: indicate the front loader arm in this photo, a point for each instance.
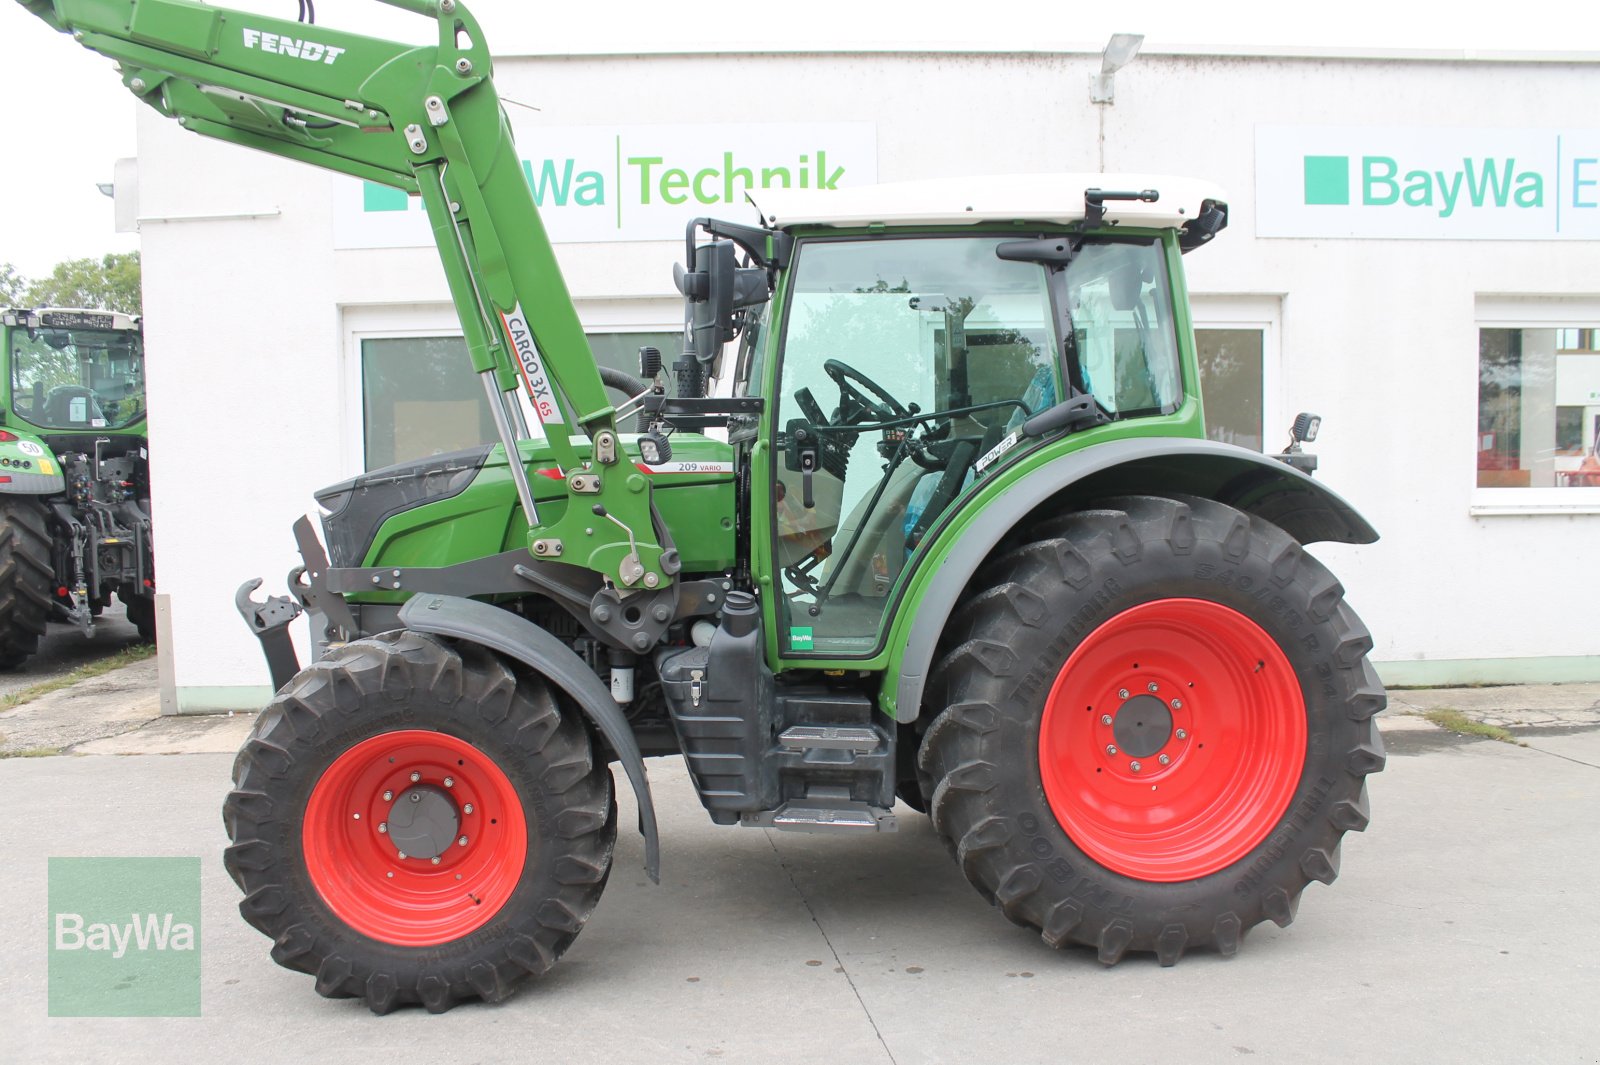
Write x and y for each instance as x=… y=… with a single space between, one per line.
x=426 y=120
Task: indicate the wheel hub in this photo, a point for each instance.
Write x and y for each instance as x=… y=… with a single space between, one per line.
x=1173 y=739
x=414 y=837
x=1142 y=726
x=423 y=822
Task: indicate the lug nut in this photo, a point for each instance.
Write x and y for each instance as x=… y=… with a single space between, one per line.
x=1177 y=704
x=1111 y=748
x=1122 y=693
x=383 y=826
x=1165 y=760
x=467 y=809
x=1182 y=734
x=449 y=782
x=1135 y=766
x=388 y=796
x=462 y=841
x=435 y=861
x=402 y=855
x=1153 y=686
x=1105 y=719
x=415 y=777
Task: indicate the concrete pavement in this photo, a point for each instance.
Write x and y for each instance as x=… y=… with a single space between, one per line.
x=65 y=648
x=1461 y=929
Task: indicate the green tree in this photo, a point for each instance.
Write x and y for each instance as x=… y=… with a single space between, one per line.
x=12 y=286
x=110 y=283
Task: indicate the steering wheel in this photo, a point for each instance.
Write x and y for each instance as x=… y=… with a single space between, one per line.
x=880 y=404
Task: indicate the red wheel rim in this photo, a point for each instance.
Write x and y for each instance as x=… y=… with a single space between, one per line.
x=413 y=901
x=1185 y=803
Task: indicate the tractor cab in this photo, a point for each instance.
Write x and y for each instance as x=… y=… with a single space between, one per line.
x=918 y=336
x=75 y=370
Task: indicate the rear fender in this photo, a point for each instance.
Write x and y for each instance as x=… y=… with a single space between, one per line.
x=518 y=638
x=41 y=476
x=1254 y=483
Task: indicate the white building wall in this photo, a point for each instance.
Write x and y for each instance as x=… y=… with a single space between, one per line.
x=248 y=317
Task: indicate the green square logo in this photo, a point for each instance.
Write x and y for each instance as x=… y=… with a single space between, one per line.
x=376 y=197
x=123 y=937
x=1327 y=180
x=800 y=640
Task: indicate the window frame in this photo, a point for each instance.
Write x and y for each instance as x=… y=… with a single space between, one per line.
x=362 y=322
x=1263 y=313
x=1527 y=312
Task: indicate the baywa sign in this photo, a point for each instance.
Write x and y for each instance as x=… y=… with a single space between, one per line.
x=635 y=182
x=1426 y=183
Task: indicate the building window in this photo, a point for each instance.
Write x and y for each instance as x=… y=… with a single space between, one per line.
x=1231 y=364
x=1539 y=407
x=420 y=397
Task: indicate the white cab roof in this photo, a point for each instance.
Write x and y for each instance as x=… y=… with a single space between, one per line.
x=971 y=200
x=72 y=317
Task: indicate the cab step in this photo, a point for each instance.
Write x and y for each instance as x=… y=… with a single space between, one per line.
x=830 y=738
x=825 y=809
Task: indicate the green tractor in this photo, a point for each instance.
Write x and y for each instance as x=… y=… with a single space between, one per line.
x=923 y=510
x=74 y=475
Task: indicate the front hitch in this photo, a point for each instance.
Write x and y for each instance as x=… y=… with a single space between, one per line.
x=269 y=621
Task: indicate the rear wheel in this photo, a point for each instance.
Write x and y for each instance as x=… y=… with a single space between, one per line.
x=141 y=611
x=1158 y=728
x=26 y=579
x=416 y=823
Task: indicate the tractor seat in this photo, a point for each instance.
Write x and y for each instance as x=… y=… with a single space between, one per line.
x=73 y=405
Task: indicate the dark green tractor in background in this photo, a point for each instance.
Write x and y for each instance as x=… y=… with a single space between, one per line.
x=74 y=474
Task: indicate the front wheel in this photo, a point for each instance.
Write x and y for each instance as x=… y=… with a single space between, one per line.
x=1158 y=728
x=418 y=823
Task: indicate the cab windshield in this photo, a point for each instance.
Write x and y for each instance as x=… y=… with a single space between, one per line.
x=77 y=378
x=908 y=367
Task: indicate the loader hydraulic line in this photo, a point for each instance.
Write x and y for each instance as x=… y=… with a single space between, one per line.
x=429 y=121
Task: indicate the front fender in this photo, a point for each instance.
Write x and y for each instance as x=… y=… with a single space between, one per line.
x=515 y=637
x=1252 y=482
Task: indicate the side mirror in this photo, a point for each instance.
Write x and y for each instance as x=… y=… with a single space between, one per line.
x=715 y=288
x=709 y=290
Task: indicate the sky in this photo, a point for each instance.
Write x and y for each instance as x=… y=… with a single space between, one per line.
x=69 y=119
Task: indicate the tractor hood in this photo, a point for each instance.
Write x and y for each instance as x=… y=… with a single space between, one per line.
x=356 y=510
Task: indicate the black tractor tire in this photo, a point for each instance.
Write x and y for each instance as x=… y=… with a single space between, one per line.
x=141 y=611
x=1001 y=678
x=377 y=691
x=26 y=579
